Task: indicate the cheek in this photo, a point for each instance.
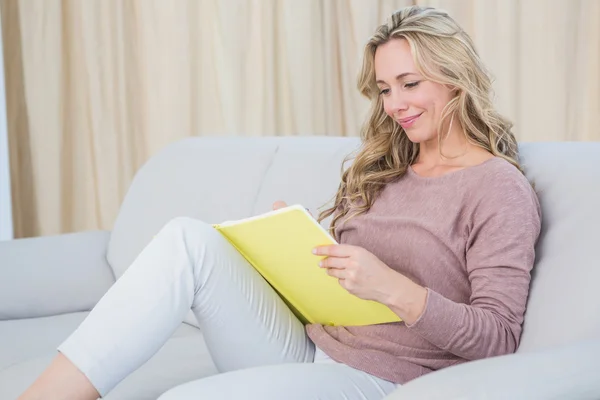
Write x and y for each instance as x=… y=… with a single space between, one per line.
x=437 y=101
x=421 y=101
x=388 y=109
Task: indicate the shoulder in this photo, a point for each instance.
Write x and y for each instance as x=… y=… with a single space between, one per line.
x=499 y=178
x=501 y=189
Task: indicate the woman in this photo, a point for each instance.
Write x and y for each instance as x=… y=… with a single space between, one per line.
x=435 y=219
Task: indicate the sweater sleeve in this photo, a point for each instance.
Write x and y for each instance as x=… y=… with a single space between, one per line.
x=500 y=253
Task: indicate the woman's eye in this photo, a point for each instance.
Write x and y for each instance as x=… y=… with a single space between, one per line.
x=411 y=84
x=384 y=91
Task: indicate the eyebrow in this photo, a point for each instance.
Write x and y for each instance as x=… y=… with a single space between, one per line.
x=402 y=75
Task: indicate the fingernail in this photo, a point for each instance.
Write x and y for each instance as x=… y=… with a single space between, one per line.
x=320 y=263
x=314 y=251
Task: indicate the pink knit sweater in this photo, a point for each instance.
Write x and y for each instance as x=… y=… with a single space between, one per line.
x=468 y=237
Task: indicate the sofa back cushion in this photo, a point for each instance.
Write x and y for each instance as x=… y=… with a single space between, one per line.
x=305 y=171
x=210 y=178
x=224 y=178
x=564 y=301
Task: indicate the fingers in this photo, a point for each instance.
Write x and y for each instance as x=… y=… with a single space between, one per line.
x=337 y=267
x=340 y=275
x=335 y=250
x=336 y=273
x=282 y=204
x=333 y=262
x=279 y=204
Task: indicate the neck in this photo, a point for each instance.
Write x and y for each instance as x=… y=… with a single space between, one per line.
x=454 y=147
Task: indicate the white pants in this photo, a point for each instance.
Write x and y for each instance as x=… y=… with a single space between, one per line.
x=259 y=347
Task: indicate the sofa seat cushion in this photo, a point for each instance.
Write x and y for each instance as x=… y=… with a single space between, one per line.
x=33 y=345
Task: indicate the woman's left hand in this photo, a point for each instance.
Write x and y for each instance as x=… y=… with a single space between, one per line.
x=358 y=271
x=364 y=275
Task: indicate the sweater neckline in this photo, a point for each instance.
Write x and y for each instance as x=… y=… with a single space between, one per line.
x=451 y=174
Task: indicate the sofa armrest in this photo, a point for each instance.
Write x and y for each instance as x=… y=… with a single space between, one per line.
x=565 y=372
x=52 y=275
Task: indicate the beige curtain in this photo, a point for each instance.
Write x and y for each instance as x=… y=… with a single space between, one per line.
x=95 y=87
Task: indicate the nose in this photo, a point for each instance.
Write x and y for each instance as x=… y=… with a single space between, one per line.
x=397 y=103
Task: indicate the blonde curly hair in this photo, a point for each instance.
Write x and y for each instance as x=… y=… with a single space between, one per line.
x=442 y=53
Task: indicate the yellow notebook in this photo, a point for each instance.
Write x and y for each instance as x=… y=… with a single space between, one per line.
x=279 y=245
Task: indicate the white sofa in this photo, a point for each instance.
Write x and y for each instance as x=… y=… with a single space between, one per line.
x=48 y=284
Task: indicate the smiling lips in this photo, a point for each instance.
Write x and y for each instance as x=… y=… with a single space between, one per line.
x=408 y=121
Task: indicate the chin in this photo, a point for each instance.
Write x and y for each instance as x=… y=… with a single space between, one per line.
x=417 y=136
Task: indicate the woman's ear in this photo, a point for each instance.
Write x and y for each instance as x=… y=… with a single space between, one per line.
x=453 y=89
x=455 y=92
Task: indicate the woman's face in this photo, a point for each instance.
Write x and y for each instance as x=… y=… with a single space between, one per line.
x=413 y=102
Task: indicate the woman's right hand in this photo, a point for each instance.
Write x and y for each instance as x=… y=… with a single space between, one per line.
x=282 y=204
x=279 y=204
